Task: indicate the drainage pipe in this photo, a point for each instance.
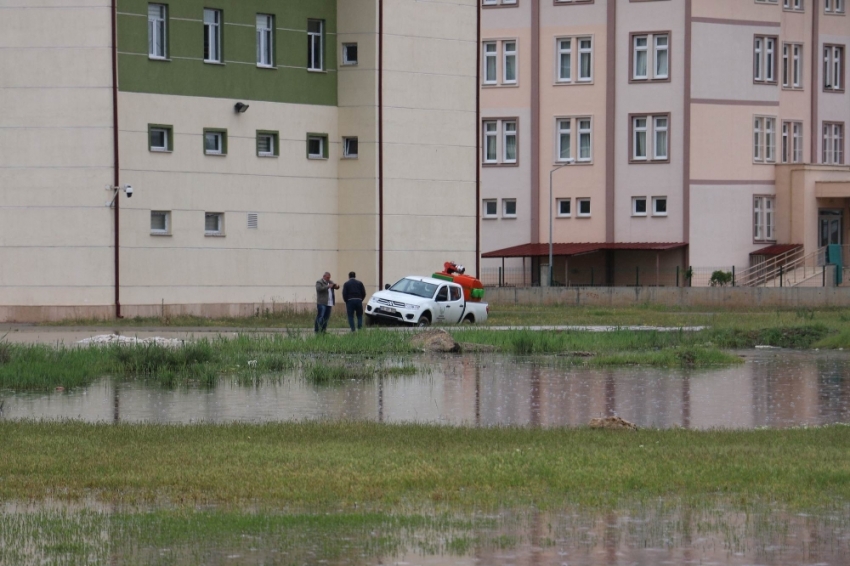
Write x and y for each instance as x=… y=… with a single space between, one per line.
x=116 y=178
x=380 y=144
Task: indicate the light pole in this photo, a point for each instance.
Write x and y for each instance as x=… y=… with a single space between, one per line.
x=569 y=162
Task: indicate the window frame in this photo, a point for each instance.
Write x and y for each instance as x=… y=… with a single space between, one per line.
x=834 y=7
x=323 y=140
x=764 y=218
x=486 y=56
x=559 y=213
x=580 y=51
x=764 y=71
x=510 y=54
x=575 y=134
x=828 y=140
x=219 y=231
x=316 y=41
x=499 y=3
x=484 y=206
x=345 y=147
x=499 y=137
x=797 y=6
x=499 y=58
x=760 y=139
x=652 y=52
x=346 y=62
x=222 y=133
x=158 y=23
x=169 y=138
x=792 y=65
x=275 y=141
x=505 y=213
x=166 y=214
x=559 y=53
x=266 y=41
x=213 y=36
x=579 y=202
x=651 y=132
x=830 y=67
x=655 y=201
x=635 y=212
x=791 y=146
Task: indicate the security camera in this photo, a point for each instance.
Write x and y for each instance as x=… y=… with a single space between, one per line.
x=129 y=190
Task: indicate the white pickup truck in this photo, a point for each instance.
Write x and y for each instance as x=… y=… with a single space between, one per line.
x=422 y=301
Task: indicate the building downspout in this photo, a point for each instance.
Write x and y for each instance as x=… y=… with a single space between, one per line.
x=478 y=146
x=117 y=176
x=813 y=159
x=380 y=144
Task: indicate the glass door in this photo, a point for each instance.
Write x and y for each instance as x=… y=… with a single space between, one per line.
x=829 y=227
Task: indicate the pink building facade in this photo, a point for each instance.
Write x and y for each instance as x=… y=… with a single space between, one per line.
x=675 y=133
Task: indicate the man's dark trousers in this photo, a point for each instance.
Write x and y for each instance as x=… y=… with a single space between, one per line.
x=323 y=315
x=353 y=306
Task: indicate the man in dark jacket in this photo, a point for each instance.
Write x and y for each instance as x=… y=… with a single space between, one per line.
x=353 y=295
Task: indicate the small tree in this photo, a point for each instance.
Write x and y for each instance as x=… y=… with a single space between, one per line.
x=720 y=278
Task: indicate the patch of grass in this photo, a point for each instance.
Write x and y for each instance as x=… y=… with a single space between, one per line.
x=688 y=357
x=335 y=466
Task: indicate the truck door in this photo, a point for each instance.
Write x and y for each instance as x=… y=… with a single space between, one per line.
x=454 y=308
x=441 y=302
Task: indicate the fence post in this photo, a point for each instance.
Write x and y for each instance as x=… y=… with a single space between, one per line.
x=691 y=278
x=677 y=276
x=637 y=276
x=733 y=275
x=500 y=277
x=823 y=274
x=780 y=276
x=591 y=277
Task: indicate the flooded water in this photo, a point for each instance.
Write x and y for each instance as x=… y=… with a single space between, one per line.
x=774 y=388
x=648 y=534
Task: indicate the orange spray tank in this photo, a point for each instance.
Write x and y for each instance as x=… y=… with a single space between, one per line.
x=473 y=289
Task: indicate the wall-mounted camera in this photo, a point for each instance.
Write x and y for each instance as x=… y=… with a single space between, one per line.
x=129 y=190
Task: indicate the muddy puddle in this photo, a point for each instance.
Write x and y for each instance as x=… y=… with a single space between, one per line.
x=773 y=388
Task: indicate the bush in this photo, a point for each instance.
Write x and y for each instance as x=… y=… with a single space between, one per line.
x=720 y=278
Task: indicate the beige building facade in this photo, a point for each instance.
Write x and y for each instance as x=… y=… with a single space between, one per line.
x=355 y=150
x=669 y=130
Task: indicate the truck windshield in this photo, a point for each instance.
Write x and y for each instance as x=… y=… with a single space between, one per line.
x=414 y=287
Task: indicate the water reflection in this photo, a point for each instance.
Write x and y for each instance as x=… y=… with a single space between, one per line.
x=772 y=389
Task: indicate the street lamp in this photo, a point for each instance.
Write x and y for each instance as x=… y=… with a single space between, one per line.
x=568 y=162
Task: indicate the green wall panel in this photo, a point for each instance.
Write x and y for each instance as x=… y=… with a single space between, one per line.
x=185 y=73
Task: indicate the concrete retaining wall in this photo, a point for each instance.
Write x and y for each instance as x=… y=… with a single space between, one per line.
x=788 y=297
x=107 y=312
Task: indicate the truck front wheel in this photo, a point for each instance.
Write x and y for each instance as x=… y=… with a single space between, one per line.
x=424 y=320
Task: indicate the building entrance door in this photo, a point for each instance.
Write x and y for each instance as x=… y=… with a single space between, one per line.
x=829 y=226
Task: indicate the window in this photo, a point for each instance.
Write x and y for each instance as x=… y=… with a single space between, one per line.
x=573 y=1
x=792 y=65
x=253 y=221
x=792 y=142
x=763 y=218
x=659 y=206
x=833 y=68
x=793 y=5
x=502 y=131
x=650 y=138
x=833 y=6
x=157 y=31
x=565 y=67
x=833 y=143
x=487 y=3
x=583 y=207
x=508 y=208
x=766 y=1
x=265 y=40
x=317 y=146
x=315 y=45
x=764 y=59
x=585 y=52
x=160 y=137
x=349 y=53
x=214 y=224
x=764 y=139
x=215 y=142
x=638 y=206
x=509 y=62
x=349 y=148
x=490 y=208
x=212 y=36
x=564 y=208
x=160 y=223
x=267 y=144
x=490 y=52
x=565 y=148
x=650 y=57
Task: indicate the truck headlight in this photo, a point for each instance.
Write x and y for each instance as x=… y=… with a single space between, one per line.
x=412 y=307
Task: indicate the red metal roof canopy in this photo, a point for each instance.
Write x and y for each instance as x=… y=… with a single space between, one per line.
x=777 y=249
x=542 y=250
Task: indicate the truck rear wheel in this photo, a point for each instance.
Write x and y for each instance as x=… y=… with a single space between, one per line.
x=469 y=319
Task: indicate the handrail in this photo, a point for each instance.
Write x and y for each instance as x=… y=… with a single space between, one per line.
x=764 y=271
x=807 y=266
